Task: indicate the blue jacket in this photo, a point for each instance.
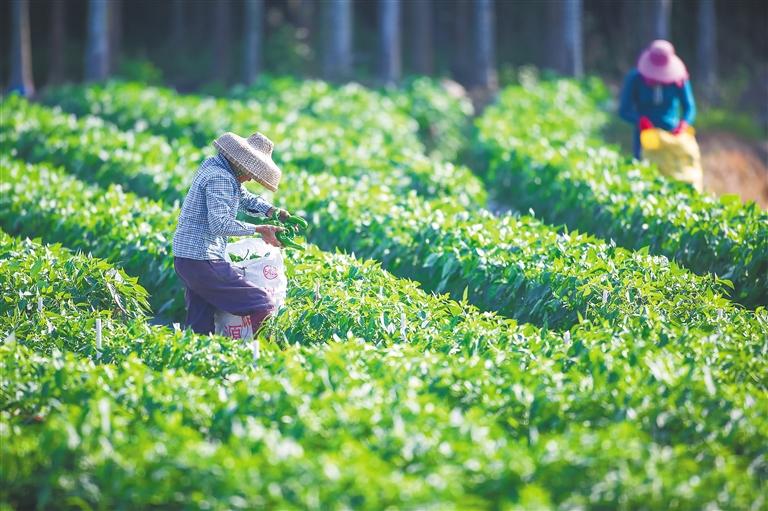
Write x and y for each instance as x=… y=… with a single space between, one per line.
x=664 y=105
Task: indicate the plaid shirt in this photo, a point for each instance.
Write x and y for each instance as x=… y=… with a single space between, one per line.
x=208 y=215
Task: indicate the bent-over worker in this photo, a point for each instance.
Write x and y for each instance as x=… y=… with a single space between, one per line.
x=657 y=93
x=208 y=217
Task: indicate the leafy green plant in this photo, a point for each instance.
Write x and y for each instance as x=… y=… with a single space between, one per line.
x=443 y=111
x=35 y=276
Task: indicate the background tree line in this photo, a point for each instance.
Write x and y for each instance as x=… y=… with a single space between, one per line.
x=476 y=42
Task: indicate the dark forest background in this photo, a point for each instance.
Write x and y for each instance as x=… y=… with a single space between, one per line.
x=194 y=44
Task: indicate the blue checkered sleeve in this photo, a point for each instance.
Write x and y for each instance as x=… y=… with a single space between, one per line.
x=254 y=205
x=221 y=219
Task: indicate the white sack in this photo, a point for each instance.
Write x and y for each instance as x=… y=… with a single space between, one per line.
x=267 y=271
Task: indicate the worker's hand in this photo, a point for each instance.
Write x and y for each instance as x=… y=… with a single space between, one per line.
x=283 y=214
x=268 y=234
x=681 y=128
x=645 y=124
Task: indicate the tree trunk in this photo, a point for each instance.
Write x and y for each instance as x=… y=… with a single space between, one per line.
x=554 y=35
x=115 y=33
x=389 y=41
x=58 y=39
x=97 y=47
x=21 y=50
x=337 y=61
x=421 y=38
x=484 y=37
x=572 y=38
x=706 y=51
x=253 y=30
x=460 y=55
x=222 y=28
x=660 y=13
x=178 y=23
x=307 y=34
x=443 y=33
x=565 y=37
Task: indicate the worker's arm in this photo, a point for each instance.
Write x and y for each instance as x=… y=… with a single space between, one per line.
x=627 y=109
x=254 y=205
x=219 y=194
x=688 y=103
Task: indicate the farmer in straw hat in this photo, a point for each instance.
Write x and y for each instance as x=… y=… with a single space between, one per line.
x=208 y=217
x=657 y=93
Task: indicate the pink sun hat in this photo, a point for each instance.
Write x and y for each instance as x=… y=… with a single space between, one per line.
x=659 y=63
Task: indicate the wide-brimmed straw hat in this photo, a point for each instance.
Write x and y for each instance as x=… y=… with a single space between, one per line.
x=660 y=63
x=252 y=156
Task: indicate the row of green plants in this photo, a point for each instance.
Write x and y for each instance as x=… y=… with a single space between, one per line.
x=402 y=418
x=517 y=266
x=98 y=151
x=345 y=131
x=544 y=428
x=161 y=168
x=34 y=276
x=541 y=148
x=100 y=424
x=155 y=167
x=342 y=424
x=441 y=109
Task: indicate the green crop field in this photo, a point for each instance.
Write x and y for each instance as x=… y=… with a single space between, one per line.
x=494 y=311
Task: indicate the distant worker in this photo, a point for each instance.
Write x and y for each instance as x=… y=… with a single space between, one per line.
x=208 y=218
x=657 y=94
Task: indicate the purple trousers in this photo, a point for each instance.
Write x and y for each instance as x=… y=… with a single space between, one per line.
x=211 y=285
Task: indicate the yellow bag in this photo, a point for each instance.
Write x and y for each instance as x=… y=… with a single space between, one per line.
x=677 y=156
